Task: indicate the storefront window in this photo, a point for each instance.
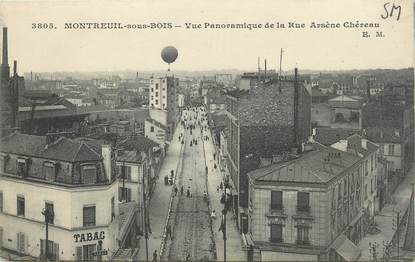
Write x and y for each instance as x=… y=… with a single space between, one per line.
x=87 y=252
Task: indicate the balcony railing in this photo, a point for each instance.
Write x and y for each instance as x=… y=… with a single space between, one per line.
x=276 y=208
x=305 y=209
x=302 y=242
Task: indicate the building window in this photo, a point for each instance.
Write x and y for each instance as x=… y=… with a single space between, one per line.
x=1 y=201
x=20 y=206
x=303 y=201
x=391 y=149
x=49 y=171
x=152 y=129
x=49 y=207
x=371 y=163
x=303 y=235
x=152 y=89
x=157 y=101
x=365 y=192
x=276 y=233
x=89 y=174
x=157 y=94
x=21 y=246
x=22 y=167
x=89 y=216
x=87 y=252
x=276 y=200
x=125 y=172
x=124 y=194
x=53 y=249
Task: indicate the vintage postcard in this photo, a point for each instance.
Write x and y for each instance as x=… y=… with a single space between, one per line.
x=207 y=130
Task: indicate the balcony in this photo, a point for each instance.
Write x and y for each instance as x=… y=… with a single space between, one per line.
x=303 y=212
x=301 y=242
x=276 y=211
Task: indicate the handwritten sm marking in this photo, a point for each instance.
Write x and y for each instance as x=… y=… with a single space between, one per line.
x=389 y=11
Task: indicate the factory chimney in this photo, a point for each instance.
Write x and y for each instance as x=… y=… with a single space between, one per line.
x=265 y=68
x=5 y=69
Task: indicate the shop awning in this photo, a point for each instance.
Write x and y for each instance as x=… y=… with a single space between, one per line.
x=346 y=249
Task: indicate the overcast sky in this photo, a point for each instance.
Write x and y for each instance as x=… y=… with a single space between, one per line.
x=96 y=50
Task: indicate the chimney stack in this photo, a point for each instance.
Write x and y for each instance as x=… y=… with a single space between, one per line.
x=106 y=156
x=5 y=57
x=14 y=68
x=31 y=76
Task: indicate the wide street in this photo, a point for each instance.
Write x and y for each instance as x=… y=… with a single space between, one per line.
x=190 y=221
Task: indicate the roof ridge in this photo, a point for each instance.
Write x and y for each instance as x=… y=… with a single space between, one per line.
x=90 y=147
x=77 y=152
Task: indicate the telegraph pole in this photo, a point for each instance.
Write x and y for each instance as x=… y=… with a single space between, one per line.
x=397 y=231
x=224 y=211
x=145 y=214
x=124 y=193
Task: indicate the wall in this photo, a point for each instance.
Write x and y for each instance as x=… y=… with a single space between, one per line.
x=68 y=205
x=158 y=136
x=319 y=204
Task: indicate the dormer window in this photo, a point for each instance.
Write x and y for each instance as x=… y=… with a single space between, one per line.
x=49 y=171
x=88 y=174
x=22 y=166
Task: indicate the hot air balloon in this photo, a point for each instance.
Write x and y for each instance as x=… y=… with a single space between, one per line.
x=169 y=54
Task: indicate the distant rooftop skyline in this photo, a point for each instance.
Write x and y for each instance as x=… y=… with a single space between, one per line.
x=60 y=50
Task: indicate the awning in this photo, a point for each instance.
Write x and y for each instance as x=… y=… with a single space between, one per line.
x=346 y=249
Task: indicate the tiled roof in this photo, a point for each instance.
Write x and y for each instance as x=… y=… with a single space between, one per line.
x=61 y=149
x=138 y=142
x=310 y=167
x=353 y=144
x=329 y=136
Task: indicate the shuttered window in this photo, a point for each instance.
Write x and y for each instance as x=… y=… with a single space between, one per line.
x=124 y=195
x=53 y=249
x=78 y=253
x=87 y=252
x=21 y=242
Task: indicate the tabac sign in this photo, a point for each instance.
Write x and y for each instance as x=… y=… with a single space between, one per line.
x=85 y=237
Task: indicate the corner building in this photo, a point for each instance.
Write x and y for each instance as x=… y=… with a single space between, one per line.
x=73 y=180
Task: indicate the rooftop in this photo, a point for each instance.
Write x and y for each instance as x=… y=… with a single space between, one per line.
x=61 y=149
x=318 y=166
x=138 y=142
x=329 y=136
x=383 y=135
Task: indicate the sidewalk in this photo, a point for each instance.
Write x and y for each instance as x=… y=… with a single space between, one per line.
x=159 y=203
x=234 y=250
x=401 y=198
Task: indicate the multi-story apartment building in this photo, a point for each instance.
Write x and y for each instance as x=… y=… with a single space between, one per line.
x=309 y=208
x=138 y=161
x=163 y=106
x=75 y=182
x=266 y=123
x=369 y=153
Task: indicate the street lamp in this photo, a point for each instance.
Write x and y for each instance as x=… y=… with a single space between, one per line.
x=48 y=214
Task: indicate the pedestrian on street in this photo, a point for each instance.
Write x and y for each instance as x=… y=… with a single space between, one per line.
x=181 y=190
x=214 y=156
x=175 y=190
x=168 y=232
x=221 y=185
x=188 y=257
x=155 y=255
x=188 y=192
x=217 y=189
